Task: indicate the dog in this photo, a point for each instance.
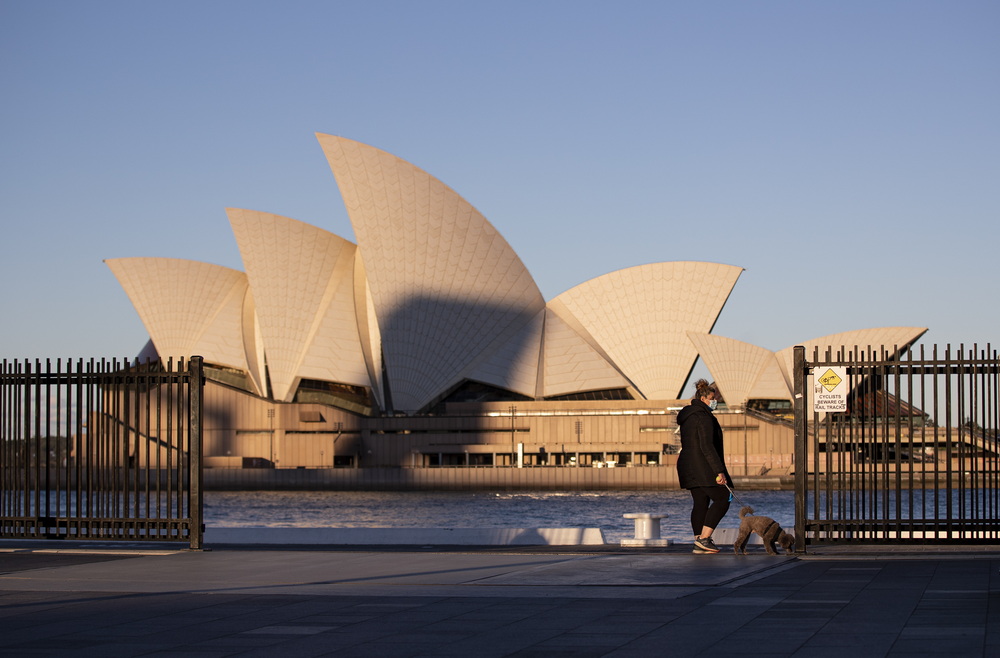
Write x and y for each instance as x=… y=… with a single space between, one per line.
x=768 y=529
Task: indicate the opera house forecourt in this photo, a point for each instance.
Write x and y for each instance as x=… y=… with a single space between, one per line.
x=425 y=356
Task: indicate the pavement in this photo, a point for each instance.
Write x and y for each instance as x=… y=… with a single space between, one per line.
x=114 y=599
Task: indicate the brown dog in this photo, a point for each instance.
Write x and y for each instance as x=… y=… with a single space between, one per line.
x=767 y=528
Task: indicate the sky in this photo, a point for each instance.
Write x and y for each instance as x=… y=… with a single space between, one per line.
x=845 y=154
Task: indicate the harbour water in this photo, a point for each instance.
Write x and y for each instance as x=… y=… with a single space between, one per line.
x=597 y=509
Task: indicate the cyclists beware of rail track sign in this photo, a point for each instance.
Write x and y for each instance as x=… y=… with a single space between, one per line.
x=830 y=388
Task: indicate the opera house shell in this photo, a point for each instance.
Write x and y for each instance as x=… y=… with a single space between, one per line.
x=430 y=298
x=431 y=310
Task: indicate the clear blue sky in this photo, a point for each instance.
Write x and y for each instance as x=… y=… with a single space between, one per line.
x=847 y=154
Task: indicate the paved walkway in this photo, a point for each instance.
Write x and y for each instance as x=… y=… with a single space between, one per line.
x=109 y=600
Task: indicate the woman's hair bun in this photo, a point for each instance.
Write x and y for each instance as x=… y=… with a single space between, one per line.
x=703 y=388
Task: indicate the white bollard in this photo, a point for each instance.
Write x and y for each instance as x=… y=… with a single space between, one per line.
x=647 y=530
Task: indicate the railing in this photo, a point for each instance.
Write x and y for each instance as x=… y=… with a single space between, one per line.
x=914 y=457
x=101 y=450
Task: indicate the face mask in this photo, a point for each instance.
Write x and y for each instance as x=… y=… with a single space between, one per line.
x=713 y=404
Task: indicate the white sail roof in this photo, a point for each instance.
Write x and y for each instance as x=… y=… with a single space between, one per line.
x=446 y=287
x=639 y=318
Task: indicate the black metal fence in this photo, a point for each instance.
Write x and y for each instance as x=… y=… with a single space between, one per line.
x=101 y=450
x=897 y=449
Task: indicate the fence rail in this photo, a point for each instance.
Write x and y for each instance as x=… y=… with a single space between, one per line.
x=915 y=458
x=101 y=450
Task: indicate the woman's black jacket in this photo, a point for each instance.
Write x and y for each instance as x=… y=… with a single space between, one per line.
x=701 y=459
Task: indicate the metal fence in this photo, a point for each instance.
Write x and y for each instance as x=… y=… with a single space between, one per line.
x=101 y=450
x=910 y=455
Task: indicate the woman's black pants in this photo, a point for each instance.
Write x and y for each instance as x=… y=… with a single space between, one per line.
x=710 y=505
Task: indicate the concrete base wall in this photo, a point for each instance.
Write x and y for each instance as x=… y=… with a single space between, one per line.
x=444 y=479
x=639 y=478
x=407 y=536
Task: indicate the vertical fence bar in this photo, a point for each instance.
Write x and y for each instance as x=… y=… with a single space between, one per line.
x=170 y=442
x=53 y=484
x=963 y=452
x=93 y=433
x=5 y=440
x=122 y=433
x=196 y=407
x=101 y=471
x=799 y=409
x=832 y=475
x=969 y=423
x=854 y=478
x=818 y=424
x=162 y=437
x=883 y=458
x=896 y=399
x=992 y=425
x=5 y=484
x=7 y=416
x=813 y=445
x=913 y=460
x=936 y=393
x=991 y=434
x=922 y=387
x=133 y=430
x=74 y=431
x=34 y=422
x=151 y=511
x=949 y=446
x=183 y=440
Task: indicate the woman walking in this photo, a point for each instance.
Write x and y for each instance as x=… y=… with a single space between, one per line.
x=701 y=468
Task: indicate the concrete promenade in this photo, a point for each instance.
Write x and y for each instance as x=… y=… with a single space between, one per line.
x=107 y=600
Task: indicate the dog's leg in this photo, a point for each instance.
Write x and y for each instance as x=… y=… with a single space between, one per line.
x=769 y=540
x=740 y=545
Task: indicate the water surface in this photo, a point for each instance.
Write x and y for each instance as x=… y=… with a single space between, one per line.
x=420 y=509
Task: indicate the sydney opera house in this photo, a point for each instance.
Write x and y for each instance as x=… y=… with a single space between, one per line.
x=426 y=353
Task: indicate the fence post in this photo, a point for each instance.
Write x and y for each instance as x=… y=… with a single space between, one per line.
x=196 y=386
x=801 y=476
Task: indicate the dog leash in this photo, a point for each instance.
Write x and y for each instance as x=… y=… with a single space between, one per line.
x=734 y=496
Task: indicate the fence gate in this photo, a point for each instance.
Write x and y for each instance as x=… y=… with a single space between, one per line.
x=101 y=450
x=910 y=457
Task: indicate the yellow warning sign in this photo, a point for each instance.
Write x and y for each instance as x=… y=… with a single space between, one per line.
x=830 y=389
x=830 y=380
